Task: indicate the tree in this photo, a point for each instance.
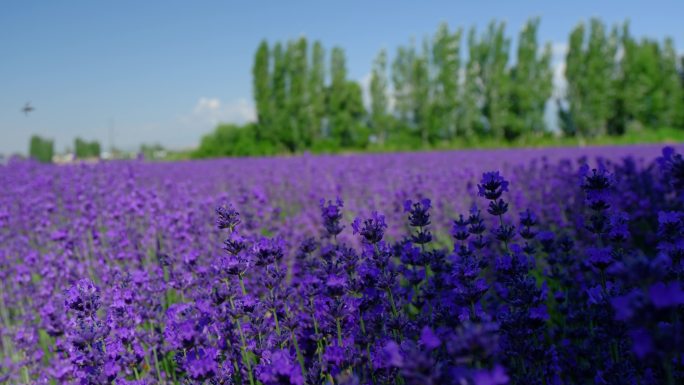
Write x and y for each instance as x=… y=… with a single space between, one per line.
x=531 y=82
x=471 y=95
x=95 y=149
x=41 y=149
x=575 y=73
x=614 y=82
x=446 y=59
x=379 y=100
x=647 y=89
x=624 y=101
x=84 y=149
x=300 y=123
x=600 y=61
x=411 y=79
x=493 y=61
x=262 y=86
x=402 y=68
x=420 y=94
x=232 y=140
x=280 y=127
x=681 y=82
x=316 y=90
x=590 y=71
x=355 y=110
x=340 y=119
x=673 y=94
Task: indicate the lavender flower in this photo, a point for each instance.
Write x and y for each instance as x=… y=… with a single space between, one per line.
x=372 y=229
x=332 y=216
x=228 y=218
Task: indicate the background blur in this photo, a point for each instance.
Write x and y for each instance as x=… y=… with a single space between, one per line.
x=178 y=79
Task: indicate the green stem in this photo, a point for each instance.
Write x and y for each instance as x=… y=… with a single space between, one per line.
x=242 y=285
x=339 y=331
x=395 y=313
x=319 y=345
x=243 y=346
x=502 y=226
x=156 y=363
x=300 y=357
x=391 y=299
x=370 y=361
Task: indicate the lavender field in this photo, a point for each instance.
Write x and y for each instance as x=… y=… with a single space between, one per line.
x=554 y=266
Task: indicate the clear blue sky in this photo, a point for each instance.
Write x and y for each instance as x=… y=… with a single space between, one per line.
x=167 y=71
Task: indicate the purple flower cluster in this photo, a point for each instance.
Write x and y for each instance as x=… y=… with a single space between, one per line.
x=549 y=272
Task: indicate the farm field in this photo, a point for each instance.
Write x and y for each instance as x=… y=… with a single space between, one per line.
x=485 y=267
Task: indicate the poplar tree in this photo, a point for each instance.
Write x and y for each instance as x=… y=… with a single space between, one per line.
x=297 y=95
x=316 y=90
x=420 y=95
x=402 y=70
x=600 y=62
x=575 y=73
x=673 y=94
x=590 y=71
x=41 y=149
x=446 y=58
x=411 y=80
x=279 y=95
x=261 y=85
x=379 y=100
x=340 y=119
x=471 y=95
x=624 y=100
x=531 y=82
x=494 y=53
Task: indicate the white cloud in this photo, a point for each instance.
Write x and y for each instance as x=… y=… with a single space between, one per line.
x=214 y=111
x=187 y=128
x=207 y=104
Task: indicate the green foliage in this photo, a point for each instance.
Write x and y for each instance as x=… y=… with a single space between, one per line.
x=546 y=139
x=617 y=84
x=446 y=62
x=379 y=98
x=316 y=92
x=469 y=117
x=454 y=91
x=495 y=77
x=233 y=140
x=84 y=149
x=41 y=149
x=262 y=86
x=531 y=83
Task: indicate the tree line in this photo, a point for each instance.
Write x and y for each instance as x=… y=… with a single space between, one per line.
x=457 y=85
x=617 y=83
x=43 y=149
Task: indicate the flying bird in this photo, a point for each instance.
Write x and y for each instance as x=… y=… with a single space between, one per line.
x=27 y=108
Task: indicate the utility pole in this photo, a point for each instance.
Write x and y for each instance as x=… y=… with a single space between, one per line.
x=111 y=137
